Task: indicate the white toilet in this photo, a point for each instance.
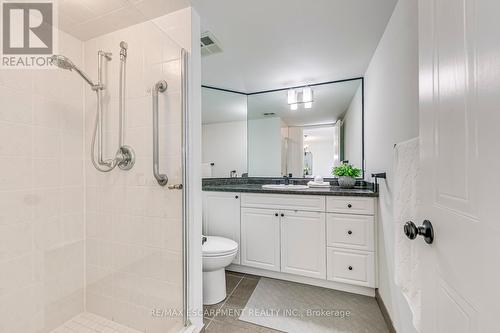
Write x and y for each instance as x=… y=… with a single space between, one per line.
x=218 y=253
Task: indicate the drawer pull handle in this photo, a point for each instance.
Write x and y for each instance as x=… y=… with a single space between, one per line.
x=236 y=197
x=350 y=268
x=349 y=232
x=349 y=206
x=282 y=215
x=276 y=214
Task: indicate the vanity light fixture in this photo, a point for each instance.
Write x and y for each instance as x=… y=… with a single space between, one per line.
x=307 y=95
x=300 y=96
x=292 y=96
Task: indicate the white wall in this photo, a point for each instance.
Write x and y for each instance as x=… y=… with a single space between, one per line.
x=391 y=116
x=295 y=147
x=41 y=195
x=353 y=136
x=264 y=147
x=225 y=144
x=322 y=152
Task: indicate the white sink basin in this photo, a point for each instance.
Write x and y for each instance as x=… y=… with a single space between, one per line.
x=285 y=187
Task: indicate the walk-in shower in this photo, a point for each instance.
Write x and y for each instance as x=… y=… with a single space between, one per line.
x=124 y=157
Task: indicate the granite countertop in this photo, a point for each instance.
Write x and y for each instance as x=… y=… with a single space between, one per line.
x=257 y=188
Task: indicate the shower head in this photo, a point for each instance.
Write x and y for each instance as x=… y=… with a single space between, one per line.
x=64 y=63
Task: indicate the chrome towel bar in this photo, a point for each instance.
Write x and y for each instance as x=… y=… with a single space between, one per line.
x=162 y=179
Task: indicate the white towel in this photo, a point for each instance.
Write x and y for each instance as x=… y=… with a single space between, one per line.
x=316 y=184
x=407 y=260
x=206 y=170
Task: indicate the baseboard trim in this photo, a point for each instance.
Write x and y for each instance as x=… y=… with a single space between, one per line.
x=305 y=280
x=385 y=313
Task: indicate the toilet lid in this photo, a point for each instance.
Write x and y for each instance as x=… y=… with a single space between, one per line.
x=218 y=246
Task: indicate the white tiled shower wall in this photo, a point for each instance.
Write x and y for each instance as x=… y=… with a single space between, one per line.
x=133 y=250
x=41 y=196
x=73 y=239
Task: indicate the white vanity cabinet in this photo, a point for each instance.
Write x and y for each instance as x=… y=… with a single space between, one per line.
x=221 y=216
x=260 y=234
x=284 y=241
x=329 y=241
x=350 y=235
x=303 y=243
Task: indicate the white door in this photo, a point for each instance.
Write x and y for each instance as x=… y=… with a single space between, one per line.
x=459 y=42
x=221 y=216
x=303 y=243
x=260 y=238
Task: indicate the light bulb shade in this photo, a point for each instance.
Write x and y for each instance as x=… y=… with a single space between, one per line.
x=308 y=105
x=294 y=106
x=307 y=95
x=292 y=96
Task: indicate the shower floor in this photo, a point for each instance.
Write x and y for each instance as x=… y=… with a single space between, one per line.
x=91 y=323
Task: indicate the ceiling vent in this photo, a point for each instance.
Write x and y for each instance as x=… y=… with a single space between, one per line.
x=209 y=44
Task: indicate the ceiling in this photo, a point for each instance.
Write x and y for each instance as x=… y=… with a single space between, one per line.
x=86 y=19
x=330 y=103
x=271 y=44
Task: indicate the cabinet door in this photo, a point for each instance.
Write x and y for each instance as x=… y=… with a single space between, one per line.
x=260 y=238
x=221 y=216
x=303 y=243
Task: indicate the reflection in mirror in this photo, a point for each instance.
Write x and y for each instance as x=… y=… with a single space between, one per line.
x=305 y=131
x=224 y=133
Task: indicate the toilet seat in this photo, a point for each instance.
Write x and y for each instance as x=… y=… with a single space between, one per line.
x=219 y=246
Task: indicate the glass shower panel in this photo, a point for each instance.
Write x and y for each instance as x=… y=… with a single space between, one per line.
x=134 y=262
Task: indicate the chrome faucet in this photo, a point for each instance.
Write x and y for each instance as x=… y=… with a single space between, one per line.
x=287 y=180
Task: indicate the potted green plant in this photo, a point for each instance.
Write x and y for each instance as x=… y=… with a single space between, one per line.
x=347 y=175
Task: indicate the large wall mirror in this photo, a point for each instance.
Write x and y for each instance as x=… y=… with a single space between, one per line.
x=224 y=133
x=301 y=131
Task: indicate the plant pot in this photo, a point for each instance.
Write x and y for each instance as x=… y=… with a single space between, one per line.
x=347 y=182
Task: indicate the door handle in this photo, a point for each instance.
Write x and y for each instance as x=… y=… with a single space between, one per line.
x=425 y=230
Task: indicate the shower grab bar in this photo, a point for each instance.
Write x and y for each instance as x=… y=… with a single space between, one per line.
x=162 y=179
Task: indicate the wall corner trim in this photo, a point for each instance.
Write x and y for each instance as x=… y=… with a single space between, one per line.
x=385 y=313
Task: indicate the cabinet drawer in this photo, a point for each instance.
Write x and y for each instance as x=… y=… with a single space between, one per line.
x=313 y=203
x=350 y=266
x=350 y=231
x=351 y=205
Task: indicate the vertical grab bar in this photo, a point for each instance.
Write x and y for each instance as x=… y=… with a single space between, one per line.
x=162 y=179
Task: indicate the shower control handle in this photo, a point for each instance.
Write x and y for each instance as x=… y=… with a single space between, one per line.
x=176 y=187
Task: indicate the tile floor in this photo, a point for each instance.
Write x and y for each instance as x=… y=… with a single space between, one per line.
x=223 y=317
x=91 y=323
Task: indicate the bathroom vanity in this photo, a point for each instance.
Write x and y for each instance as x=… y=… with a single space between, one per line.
x=323 y=237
